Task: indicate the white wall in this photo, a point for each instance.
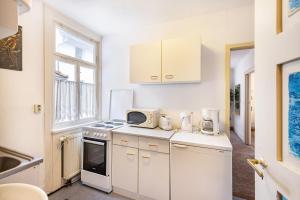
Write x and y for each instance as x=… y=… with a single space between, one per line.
x=20 y=128
x=216 y=29
x=270 y=50
x=245 y=62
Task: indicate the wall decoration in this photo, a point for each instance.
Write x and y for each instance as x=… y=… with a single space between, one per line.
x=294 y=114
x=288 y=14
x=11 y=51
x=237 y=99
x=294 y=7
x=280 y=196
x=288 y=115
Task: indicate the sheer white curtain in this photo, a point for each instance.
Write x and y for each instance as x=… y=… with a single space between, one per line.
x=87 y=100
x=66 y=100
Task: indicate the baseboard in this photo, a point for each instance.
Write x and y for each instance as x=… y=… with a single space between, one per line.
x=125 y=193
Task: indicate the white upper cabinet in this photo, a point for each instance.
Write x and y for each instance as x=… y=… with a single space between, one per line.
x=168 y=61
x=181 y=60
x=145 y=63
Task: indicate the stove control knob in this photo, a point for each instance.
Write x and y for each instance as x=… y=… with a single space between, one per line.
x=104 y=135
x=95 y=134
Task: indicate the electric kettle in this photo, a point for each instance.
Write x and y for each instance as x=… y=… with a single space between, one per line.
x=186 y=121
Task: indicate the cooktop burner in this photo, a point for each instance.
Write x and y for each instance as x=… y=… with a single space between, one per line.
x=108 y=125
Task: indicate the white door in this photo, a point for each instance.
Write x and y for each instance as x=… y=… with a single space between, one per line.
x=200 y=173
x=145 y=63
x=181 y=60
x=154 y=175
x=272 y=49
x=125 y=168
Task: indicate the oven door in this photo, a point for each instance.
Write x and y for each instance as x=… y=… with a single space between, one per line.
x=136 y=118
x=94 y=156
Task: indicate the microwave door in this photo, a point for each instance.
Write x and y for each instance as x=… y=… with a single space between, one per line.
x=136 y=118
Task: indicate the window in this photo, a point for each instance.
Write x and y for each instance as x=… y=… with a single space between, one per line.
x=75 y=78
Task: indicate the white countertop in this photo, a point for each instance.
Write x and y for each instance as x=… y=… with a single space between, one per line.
x=145 y=132
x=198 y=139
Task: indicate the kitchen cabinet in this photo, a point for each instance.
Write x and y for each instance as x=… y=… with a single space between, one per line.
x=181 y=60
x=175 y=60
x=145 y=173
x=154 y=175
x=125 y=168
x=145 y=63
x=202 y=170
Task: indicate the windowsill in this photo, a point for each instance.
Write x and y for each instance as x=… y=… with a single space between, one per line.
x=70 y=128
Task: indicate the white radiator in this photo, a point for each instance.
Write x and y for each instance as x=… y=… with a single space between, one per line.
x=71 y=155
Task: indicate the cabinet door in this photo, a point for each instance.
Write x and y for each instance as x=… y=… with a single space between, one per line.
x=145 y=63
x=181 y=60
x=154 y=175
x=125 y=168
x=200 y=173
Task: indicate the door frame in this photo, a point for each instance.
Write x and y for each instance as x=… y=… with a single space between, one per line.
x=228 y=49
x=248 y=138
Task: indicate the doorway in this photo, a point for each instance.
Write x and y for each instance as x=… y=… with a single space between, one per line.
x=249 y=108
x=240 y=115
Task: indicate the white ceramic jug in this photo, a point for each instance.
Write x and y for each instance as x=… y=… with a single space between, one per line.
x=186 y=121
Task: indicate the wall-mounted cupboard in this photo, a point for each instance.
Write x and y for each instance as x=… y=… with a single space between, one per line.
x=176 y=60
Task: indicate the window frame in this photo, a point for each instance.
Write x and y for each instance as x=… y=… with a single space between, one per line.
x=77 y=63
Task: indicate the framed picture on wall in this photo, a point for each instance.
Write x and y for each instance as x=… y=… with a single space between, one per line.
x=11 y=51
x=237 y=98
x=288 y=105
x=293 y=7
x=281 y=196
x=288 y=14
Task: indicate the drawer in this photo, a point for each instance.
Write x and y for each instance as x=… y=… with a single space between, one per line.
x=126 y=140
x=153 y=144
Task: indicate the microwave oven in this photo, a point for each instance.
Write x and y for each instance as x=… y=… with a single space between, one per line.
x=146 y=118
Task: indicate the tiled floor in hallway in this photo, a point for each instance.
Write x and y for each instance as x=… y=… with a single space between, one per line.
x=77 y=191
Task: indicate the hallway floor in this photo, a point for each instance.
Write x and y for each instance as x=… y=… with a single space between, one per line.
x=243 y=174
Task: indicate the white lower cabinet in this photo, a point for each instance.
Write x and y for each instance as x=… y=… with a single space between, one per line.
x=153 y=175
x=200 y=173
x=141 y=173
x=125 y=168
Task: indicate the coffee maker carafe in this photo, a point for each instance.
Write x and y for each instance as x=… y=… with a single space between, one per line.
x=210 y=121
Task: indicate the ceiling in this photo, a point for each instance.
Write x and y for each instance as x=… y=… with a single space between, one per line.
x=116 y=16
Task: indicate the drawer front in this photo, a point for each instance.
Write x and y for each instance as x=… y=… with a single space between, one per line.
x=153 y=144
x=125 y=140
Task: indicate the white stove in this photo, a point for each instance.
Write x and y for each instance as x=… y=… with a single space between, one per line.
x=96 y=154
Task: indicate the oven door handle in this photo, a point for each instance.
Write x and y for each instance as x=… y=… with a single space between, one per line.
x=92 y=142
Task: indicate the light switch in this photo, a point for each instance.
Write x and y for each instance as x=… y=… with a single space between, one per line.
x=37 y=108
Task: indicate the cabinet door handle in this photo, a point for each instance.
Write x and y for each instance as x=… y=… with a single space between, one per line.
x=152 y=145
x=169 y=76
x=180 y=146
x=130 y=154
x=146 y=157
x=153 y=77
x=124 y=141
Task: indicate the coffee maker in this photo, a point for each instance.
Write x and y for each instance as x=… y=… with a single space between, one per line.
x=210 y=121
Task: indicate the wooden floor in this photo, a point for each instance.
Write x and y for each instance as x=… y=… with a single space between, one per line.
x=243 y=175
